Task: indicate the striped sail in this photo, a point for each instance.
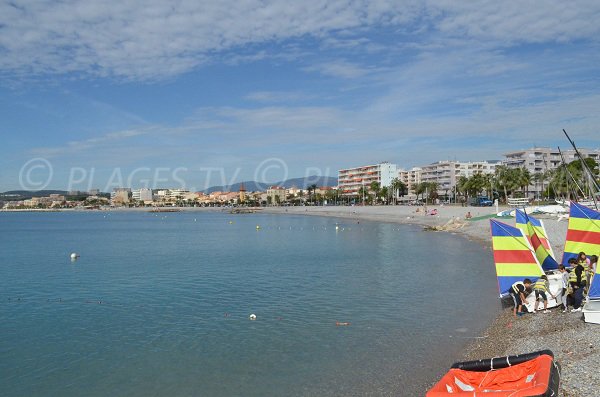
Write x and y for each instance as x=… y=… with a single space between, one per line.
x=594 y=292
x=515 y=259
x=536 y=233
x=583 y=234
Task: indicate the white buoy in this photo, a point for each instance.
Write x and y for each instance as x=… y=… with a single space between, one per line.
x=74 y=256
x=253 y=317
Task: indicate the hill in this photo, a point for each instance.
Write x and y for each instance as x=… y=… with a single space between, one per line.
x=302 y=183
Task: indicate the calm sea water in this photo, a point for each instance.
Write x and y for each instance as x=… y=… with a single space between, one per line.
x=158 y=305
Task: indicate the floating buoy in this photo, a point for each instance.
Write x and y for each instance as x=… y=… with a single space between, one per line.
x=74 y=256
x=253 y=317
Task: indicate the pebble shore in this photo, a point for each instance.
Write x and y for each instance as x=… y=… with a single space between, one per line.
x=576 y=344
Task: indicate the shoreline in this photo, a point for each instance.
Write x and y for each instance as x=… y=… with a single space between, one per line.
x=576 y=344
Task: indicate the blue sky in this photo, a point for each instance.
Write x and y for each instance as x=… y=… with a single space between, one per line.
x=145 y=93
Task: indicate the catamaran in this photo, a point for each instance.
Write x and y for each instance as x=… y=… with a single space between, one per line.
x=525 y=252
x=583 y=235
x=516 y=260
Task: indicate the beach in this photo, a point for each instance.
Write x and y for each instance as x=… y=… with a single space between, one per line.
x=575 y=343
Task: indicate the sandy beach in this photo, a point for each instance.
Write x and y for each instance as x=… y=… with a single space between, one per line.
x=575 y=343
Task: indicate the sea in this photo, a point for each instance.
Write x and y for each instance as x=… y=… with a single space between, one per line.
x=159 y=304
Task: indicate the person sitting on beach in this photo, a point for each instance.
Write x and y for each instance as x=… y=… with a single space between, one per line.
x=541 y=287
x=517 y=291
x=468 y=216
x=565 y=284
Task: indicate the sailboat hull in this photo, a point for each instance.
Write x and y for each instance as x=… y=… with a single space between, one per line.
x=591 y=312
x=555 y=281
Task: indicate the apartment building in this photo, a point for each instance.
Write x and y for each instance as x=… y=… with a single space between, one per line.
x=538 y=160
x=143 y=194
x=277 y=194
x=411 y=178
x=447 y=173
x=350 y=180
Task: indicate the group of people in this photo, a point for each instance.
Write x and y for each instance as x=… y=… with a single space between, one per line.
x=576 y=280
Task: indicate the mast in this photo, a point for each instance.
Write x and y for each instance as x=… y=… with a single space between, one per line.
x=567 y=176
x=586 y=170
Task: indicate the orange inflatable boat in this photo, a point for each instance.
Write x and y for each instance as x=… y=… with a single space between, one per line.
x=526 y=375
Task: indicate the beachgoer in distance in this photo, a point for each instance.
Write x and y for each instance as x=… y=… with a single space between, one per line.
x=517 y=291
x=468 y=216
x=565 y=284
x=541 y=287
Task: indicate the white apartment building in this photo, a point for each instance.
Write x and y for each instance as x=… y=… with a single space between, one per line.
x=143 y=194
x=447 y=173
x=538 y=160
x=350 y=180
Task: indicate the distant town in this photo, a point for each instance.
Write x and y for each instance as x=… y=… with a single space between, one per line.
x=536 y=173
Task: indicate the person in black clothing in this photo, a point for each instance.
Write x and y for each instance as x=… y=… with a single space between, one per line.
x=577 y=280
x=518 y=291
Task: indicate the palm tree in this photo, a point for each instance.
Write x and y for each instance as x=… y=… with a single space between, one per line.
x=312 y=187
x=503 y=178
x=523 y=179
x=363 y=193
x=398 y=188
x=375 y=188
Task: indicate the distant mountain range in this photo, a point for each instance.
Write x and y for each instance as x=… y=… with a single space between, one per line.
x=301 y=183
x=250 y=186
x=26 y=194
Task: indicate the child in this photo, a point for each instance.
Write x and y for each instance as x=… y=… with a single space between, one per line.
x=592 y=269
x=565 y=284
x=517 y=291
x=540 y=288
x=577 y=281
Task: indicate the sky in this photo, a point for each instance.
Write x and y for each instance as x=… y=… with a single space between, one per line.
x=192 y=94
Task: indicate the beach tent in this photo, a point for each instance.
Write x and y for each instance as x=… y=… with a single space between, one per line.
x=513 y=255
x=583 y=234
x=538 y=238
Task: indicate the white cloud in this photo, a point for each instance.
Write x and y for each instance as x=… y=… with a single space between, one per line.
x=153 y=39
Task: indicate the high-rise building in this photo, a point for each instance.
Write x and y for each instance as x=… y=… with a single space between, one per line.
x=447 y=173
x=350 y=180
x=539 y=160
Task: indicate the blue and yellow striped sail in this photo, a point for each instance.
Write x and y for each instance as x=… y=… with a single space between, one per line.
x=514 y=258
x=594 y=292
x=583 y=234
x=538 y=238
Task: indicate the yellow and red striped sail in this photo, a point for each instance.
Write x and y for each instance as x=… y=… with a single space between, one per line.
x=583 y=234
x=513 y=255
x=538 y=238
